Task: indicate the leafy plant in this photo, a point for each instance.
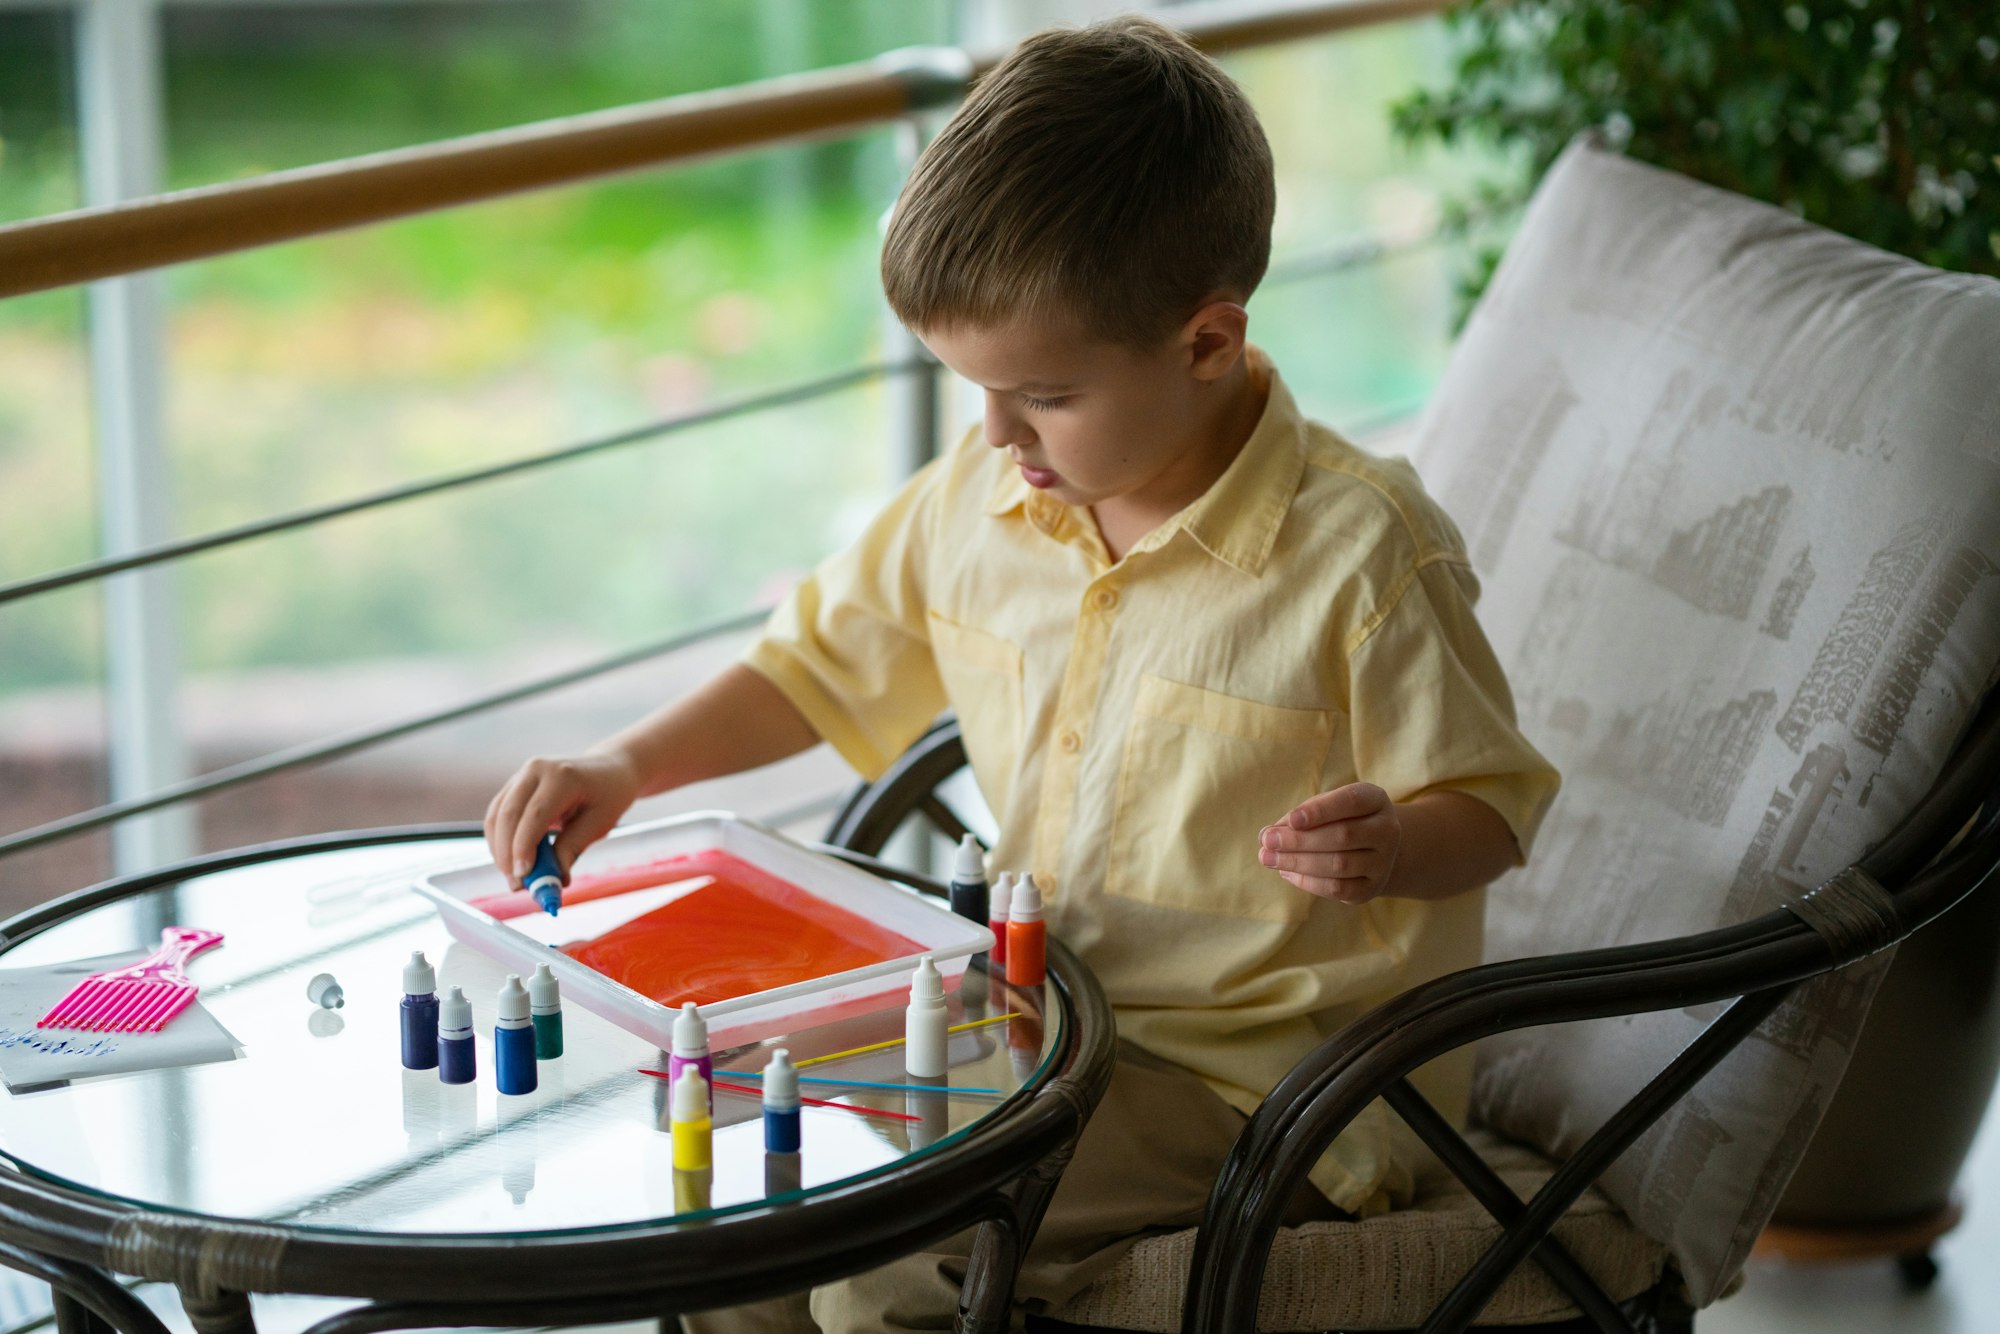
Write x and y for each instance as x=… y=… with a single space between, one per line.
x=1877 y=118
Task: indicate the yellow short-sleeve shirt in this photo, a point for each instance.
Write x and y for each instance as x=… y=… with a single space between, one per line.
x=1134 y=724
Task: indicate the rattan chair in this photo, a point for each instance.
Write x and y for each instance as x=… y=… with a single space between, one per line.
x=1565 y=1260
x=1733 y=485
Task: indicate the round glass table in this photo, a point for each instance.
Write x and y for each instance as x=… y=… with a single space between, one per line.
x=311 y=1161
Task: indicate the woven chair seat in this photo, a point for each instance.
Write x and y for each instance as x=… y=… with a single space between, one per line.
x=1387 y=1272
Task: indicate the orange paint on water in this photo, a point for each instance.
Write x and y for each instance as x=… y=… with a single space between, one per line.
x=748 y=931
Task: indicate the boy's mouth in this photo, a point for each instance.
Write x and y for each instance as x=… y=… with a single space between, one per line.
x=1039 y=478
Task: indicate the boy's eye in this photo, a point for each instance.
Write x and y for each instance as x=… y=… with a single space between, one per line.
x=1043 y=404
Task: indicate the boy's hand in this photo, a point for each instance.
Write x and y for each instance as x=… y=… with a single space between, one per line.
x=1339 y=845
x=584 y=794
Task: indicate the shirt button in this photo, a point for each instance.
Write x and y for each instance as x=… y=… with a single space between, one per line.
x=1104 y=599
x=1069 y=741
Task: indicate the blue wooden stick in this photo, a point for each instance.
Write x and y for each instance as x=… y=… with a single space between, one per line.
x=861 y=1083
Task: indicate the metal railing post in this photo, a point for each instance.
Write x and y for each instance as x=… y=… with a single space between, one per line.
x=913 y=442
x=120 y=110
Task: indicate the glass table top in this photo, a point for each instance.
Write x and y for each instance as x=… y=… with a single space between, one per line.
x=317 y=1124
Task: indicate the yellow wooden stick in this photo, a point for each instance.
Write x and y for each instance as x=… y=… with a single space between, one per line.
x=897 y=1042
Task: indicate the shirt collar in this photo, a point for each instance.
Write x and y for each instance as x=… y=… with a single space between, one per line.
x=1237 y=519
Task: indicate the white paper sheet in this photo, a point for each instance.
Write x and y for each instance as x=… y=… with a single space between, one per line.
x=33 y=1058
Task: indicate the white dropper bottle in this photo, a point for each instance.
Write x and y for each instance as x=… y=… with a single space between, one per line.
x=924 y=1025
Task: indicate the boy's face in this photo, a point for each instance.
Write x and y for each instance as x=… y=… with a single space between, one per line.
x=1092 y=422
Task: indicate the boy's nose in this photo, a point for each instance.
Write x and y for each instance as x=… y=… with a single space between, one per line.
x=1004 y=426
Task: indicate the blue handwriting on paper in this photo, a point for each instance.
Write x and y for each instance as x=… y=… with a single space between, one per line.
x=49 y=1044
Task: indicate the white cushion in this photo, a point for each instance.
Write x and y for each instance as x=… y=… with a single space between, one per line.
x=1733 y=484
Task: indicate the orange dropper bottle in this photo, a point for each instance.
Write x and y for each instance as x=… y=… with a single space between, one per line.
x=1027 y=935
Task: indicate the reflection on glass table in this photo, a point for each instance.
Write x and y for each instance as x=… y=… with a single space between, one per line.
x=318 y=1125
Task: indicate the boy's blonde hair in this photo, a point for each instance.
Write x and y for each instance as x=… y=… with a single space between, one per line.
x=1111 y=176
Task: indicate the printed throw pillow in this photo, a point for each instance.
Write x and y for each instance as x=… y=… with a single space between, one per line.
x=1732 y=483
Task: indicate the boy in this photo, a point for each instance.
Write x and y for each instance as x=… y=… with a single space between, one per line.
x=1217 y=670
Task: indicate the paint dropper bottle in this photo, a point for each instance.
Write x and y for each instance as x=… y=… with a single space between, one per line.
x=781 y=1103
x=1027 y=936
x=458 y=1063
x=545 y=1009
x=544 y=881
x=968 y=880
x=692 y=1131
x=1003 y=896
x=690 y=1049
x=420 y=1014
x=924 y=1024
x=514 y=1040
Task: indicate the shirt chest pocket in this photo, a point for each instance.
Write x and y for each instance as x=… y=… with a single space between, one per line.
x=1202 y=773
x=982 y=680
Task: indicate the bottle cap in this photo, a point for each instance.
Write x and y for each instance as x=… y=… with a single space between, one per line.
x=1003 y=894
x=925 y=984
x=690 y=1035
x=455 y=1014
x=544 y=995
x=969 y=865
x=513 y=1002
x=324 y=992
x=781 y=1081
x=1027 y=905
x=690 y=1096
x=419 y=978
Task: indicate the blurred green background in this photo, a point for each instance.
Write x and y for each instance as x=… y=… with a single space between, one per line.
x=312 y=371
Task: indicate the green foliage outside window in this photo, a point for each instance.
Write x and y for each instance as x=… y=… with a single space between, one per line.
x=1876 y=118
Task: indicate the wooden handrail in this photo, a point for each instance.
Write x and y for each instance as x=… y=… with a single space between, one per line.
x=88 y=244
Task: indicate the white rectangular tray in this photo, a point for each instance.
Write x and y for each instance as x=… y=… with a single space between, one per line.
x=949 y=939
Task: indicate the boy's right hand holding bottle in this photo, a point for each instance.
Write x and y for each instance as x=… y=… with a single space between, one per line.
x=737 y=720
x=581 y=795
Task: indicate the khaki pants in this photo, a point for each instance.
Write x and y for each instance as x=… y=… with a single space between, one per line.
x=1144 y=1165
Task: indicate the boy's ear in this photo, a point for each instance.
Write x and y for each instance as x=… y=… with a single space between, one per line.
x=1214 y=337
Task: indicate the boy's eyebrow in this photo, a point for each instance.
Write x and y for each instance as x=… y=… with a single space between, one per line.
x=1038 y=387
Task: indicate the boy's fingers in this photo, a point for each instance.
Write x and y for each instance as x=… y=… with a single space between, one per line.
x=540 y=815
x=1339 y=836
x=1343 y=803
x=492 y=809
x=1325 y=865
x=506 y=827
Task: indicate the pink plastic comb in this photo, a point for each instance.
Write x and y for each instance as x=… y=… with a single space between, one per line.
x=140 y=997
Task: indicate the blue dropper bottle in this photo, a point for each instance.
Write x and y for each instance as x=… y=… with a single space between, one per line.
x=420 y=1014
x=458 y=1063
x=544 y=881
x=514 y=1040
x=781 y=1103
